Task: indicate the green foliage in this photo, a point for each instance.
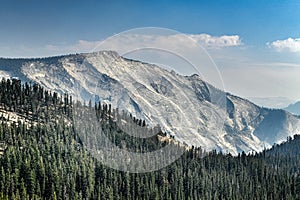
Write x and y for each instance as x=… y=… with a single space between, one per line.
x=44 y=158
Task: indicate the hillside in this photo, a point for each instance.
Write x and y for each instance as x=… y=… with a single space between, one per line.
x=186 y=107
x=44 y=157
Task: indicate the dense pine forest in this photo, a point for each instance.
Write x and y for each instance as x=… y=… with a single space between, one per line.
x=42 y=156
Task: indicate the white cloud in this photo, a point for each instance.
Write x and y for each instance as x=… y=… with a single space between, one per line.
x=290 y=45
x=217 y=42
x=80 y=46
x=133 y=41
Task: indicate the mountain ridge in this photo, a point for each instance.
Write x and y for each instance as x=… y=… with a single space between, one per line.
x=195 y=112
x=294 y=108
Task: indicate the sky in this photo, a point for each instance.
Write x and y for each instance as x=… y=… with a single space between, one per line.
x=255 y=44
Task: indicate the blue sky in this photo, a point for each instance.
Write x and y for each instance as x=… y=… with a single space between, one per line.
x=37 y=23
x=43 y=28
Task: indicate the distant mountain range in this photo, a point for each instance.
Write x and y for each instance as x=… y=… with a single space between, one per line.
x=193 y=111
x=294 y=108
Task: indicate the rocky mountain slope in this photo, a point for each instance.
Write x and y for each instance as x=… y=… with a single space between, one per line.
x=191 y=110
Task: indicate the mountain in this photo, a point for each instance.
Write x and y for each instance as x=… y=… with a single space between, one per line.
x=193 y=111
x=294 y=108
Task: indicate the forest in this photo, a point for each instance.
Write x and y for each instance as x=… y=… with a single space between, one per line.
x=43 y=156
